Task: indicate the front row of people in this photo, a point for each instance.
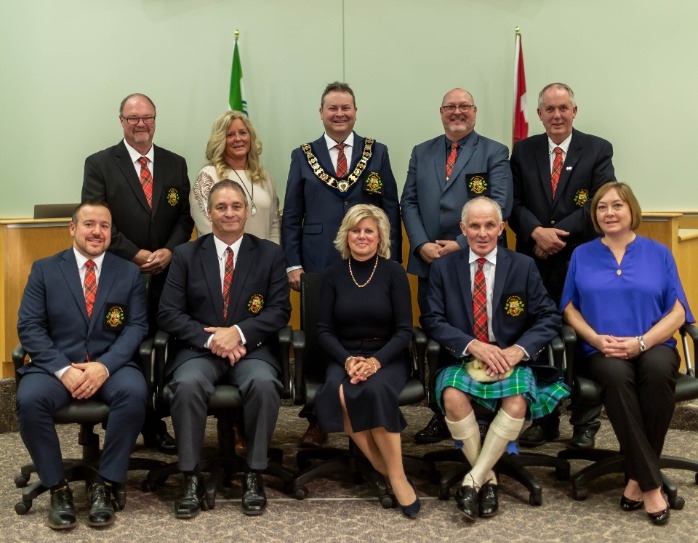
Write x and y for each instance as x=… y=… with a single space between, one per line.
x=83 y=315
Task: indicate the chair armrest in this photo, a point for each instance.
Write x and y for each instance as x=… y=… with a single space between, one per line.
x=569 y=338
x=299 y=359
x=689 y=330
x=146 y=354
x=161 y=345
x=285 y=337
x=419 y=348
x=18 y=357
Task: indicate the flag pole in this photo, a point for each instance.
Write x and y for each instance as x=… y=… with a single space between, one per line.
x=237 y=33
x=517 y=37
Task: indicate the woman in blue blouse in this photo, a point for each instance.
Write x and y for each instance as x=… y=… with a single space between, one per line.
x=624 y=299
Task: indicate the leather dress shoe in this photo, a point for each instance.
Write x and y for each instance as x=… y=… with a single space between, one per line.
x=584 y=437
x=314 y=437
x=101 y=508
x=254 y=501
x=62 y=513
x=489 y=502
x=660 y=517
x=626 y=504
x=162 y=441
x=467 y=502
x=192 y=499
x=411 y=510
x=435 y=431
x=537 y=434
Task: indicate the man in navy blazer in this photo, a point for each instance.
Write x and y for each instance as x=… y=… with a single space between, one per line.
x=521 y=319
x=76 y=355
x=548 y=228
x=432 y=201
x=215 y=344
x=319 y=193
x=143 y=233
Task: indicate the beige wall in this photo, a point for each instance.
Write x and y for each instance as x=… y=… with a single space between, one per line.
x=66 y=65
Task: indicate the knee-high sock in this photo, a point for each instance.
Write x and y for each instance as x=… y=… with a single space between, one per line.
x=467 y=432
x=502 y=430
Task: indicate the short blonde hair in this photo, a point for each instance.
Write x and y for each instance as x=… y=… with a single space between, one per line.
x=354 y=216
x=626 y=194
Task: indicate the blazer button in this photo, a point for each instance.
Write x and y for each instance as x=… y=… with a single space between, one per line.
x=552 y=221
x=442 y=210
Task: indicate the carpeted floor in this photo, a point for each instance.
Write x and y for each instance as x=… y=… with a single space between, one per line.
x=338 y=510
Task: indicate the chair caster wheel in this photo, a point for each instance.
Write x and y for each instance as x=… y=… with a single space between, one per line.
x=535 y=499
x=23 y=507
x=677 y=503
x=21 y=481
x=387 y=501
x=580 y=494
x=300 y=492
x=444 y=494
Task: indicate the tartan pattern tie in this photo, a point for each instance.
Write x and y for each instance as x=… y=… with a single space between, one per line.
x=557 y=170
x=90 y=286
x=227 y=280
x=480 y=304
x=341 y=160
x=451 y=160
x=146 y=180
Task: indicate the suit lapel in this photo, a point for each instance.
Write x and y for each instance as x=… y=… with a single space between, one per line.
x=69 y=269
x=574 y=153
x=357 y=151
x=439 y=156
x=464 y=156
x=462 y=270
x=210 y=266
x=161 y=172
x=107 y=276
x=123 y=160
x=323 y=155
x=543 y=160
x=501 y=270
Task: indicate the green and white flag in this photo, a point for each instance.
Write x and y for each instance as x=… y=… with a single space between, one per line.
x=237 y=100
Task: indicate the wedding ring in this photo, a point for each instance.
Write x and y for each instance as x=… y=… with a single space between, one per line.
x=89 y=388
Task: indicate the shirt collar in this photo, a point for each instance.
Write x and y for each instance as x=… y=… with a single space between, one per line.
x=564 y=145
x=81 y=259
x=331 y=143
x=135 y=155
x=490 y=257
x=221 y=246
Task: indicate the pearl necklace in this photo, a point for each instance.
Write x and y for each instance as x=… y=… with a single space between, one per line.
x=369 y=277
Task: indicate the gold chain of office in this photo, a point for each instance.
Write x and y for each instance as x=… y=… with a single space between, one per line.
x=340 y=185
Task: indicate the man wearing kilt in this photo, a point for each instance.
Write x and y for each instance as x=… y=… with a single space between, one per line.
x=493 y=317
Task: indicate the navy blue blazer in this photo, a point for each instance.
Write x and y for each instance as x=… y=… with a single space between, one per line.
x=523 y=312
x=110 y=176
x=588 y=165
x=53 y=326
x=193 y=298
x=313 y=211
x=431 y=208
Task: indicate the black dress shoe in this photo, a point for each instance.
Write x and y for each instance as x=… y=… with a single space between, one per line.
x=254 y=501
x=435 y=431
x=537 y=434
x=192 y=500
x=584 y=437
x=626 y=504
x=489 y=502
x=62 y=513
x=466 y=501
x=660 y=517
x=101 y=509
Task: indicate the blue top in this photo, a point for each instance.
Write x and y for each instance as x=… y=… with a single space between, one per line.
x=628 y=299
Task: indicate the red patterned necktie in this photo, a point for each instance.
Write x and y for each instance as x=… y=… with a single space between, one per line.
x=227 y=280
x=557 y=170
x=451 y=160
x=146 y=180
x=90 y=286
x=480 y=304
x=341 y=160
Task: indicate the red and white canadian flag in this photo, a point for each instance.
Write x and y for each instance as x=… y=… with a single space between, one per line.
x=520 y=130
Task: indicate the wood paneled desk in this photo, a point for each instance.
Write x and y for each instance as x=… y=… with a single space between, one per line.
x=22 y=241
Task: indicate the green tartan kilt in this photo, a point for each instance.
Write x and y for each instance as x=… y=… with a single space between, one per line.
x=541 y=400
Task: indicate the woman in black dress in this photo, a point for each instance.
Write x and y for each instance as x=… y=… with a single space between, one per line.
x=365 y=327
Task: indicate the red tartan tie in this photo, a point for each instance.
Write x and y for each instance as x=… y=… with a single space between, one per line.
x=90 y=286
x=480 y=304
x=146 y=180
x=227 y=280
x=451 y=160
x=557 y=170
x=341 y=160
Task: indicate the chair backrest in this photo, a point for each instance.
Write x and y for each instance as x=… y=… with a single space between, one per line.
x=315 y=357
x=53 y=211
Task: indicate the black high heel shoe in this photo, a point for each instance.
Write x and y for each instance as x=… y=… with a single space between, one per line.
x=626 y=504
x=411 y=511
x=660 y=517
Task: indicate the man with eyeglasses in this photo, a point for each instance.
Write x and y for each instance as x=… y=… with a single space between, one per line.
x=556 y=175
x=443 y=174
x=147 y=190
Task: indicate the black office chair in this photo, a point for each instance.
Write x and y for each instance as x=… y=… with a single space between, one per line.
x=310 y=365
x=605 y=461
x=512 y=465
x=225 y=402
x=86 y=413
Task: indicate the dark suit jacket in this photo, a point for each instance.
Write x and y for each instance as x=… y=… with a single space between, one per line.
x=313 y=211
x=431 y=208
x=111 y=177
x=588 y=165
x=53 y=325
x=516 y=279
x=193 y=299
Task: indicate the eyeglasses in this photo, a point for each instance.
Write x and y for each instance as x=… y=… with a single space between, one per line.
x=133 y=121
x=463 y=107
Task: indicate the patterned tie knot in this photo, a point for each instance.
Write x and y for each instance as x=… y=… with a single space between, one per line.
x=143 y=161
x=558 y=151
x=340 y=146
x=481 y=262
